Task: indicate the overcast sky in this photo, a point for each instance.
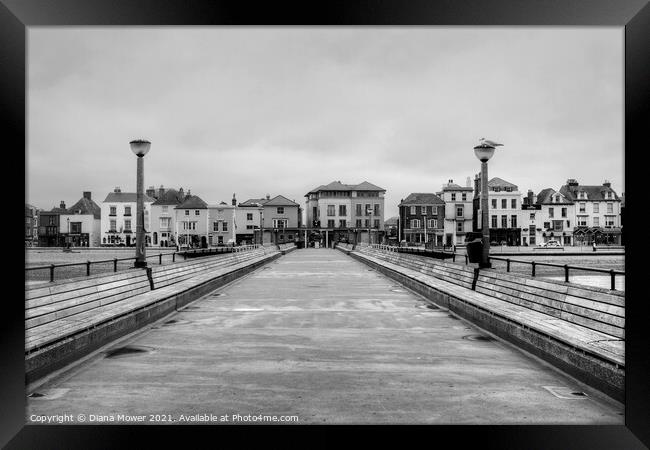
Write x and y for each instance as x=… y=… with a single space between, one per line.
x=278 y=110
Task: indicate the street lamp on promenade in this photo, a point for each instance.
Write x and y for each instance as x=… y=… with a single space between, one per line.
x=261 y=209
x=484 y=151
x=369 y=211
x=140 y=148
x=424 y=218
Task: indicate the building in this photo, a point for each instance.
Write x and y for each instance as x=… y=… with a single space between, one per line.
x=279 y=218
x=31 y=225
x=118 y=222
x=597 y=213
x=49 y=227
x=221 y=220
x=345 y=212
x=458 y=212
x=422 y=219
x=191 y=222
x=80 y=225
x=391 y=231
x=163 y=217
x=622 y=217
x=546 y=216
x=504 y=201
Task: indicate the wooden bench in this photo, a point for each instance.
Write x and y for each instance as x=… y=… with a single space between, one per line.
x=588 y=319
x=57 y=311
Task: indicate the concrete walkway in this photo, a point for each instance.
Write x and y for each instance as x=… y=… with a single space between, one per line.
x=319 y=336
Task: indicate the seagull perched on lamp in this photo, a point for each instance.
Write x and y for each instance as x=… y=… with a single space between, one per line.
x=488 y=142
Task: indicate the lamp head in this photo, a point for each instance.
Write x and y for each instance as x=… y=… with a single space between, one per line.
x=140 y=147
x=484 y=151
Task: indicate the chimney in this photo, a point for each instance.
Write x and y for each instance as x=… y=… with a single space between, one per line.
x=117 y=189
x=607 y=184
x=468 y=183
x=62 y=205
x=268 y=197
x=234 y=200
x=161 y=191
x=572 y=182
x=180 y=193
x=87 y=195
x=151 y=191
x=530 y=197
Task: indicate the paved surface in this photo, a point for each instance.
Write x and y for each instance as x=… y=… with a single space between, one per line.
x=318 y=335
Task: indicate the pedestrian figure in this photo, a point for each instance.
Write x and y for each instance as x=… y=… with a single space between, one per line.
x=594 y=245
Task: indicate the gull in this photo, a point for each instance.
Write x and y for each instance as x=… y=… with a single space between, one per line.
x=488 y=142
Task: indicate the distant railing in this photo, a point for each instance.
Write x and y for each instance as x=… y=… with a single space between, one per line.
x=611 y=272
x=185 y=254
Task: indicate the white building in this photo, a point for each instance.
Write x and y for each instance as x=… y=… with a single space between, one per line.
x=504 y=200
x=80 y=225
x=118 y=218
x=546 y=216
x=163 y=217
x=347 y=212
x=278 y=217
x=458 y=212
x=191 y=222
x=597 y=213
x=222 y=224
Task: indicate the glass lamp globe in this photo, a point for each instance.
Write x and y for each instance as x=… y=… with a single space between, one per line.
x=140 y=147
x=484 y=152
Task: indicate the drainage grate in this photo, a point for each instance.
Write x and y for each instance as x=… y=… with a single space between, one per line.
x=479 y=337
x=127 y=350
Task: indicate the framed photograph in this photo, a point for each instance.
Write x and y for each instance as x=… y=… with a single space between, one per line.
x=392 y=214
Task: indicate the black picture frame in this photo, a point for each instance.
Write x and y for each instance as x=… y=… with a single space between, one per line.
x=634 y=15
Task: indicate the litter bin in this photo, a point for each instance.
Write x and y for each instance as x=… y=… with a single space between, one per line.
x=474 y=250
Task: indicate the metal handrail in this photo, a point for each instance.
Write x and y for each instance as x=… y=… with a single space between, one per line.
x=203 y=251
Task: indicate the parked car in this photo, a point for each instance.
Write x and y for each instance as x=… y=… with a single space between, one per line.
x=550 y=243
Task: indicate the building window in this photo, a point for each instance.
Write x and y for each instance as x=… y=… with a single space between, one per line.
x=413 y=210
x=434 y=210
x=557 y=225
x=563 y=212
x=113 y=211
x=433 y=223
x=504 y=221
x=453 y=196
x=583 y=207
x=568 y=223
x=342 y=223
x=249 y=216
x=504 y=203
x=376 y=225
x=127 y=210
x=197 y=212
x=547 y=225
x=415 y=223
x=459 y=211
x=464 y=196
x=330 y=223
x=513 y=221
x=494 y=221
x=359 y=222
x=224 y=226
x=359 y=212
x=165 y=209
x=165 y=223
x=215 y=226
x=51 y=220
x=331 y=210
x=596 y=207
x=343 y=210
x=513 y=203
x=127 y=225
x=494 y=203
x=610 y=208
x=596 y=221
x=368 y=209
x=531 y=230
x=423 y=210
x=113 y=225
x=550 y=212
x=459 y=226
x=75 y=227
x=249 y=227
x=582 y=221
x=609 y=222
x=280 y=209
x=532 y=216
x=219 y=239
x=187 y=212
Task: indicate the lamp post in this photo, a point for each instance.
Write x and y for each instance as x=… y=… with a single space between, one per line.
x=369 y=211
x=424 y=218
x=140 y=148
x=484 y=151
x=261 y=209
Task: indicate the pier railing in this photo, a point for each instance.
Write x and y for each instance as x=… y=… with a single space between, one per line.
x=120 y=263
